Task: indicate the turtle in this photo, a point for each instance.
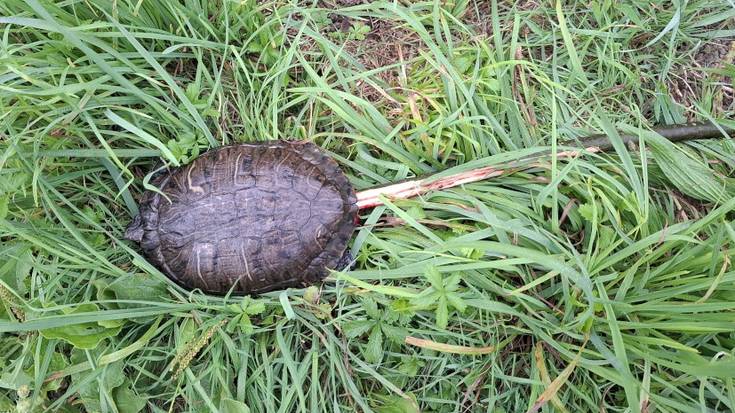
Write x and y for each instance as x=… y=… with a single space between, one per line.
x=248 y=218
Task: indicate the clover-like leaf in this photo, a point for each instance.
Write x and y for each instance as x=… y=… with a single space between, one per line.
x=587 y=211
x=246 y=326
x=410 y=366
x=255 y=307
x=404 y=309
x=440 y=295
x=192 y=92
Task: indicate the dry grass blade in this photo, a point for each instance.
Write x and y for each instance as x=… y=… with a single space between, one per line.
x=553 y=388
x=448 y=348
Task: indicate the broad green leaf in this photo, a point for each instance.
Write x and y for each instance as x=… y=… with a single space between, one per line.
x=434 y=277
x=587 y=211
x=374 y=347
x=398 y=404
x=371 y=308
x=442 y=313
x=58 y=362
x=357 y=328
x=246 y=326
x=395 y=334
x=13 y=379
x=110 y=376
x=456 y=301
x=416 y=212
x=16 y=262
x=255 y=307
x=452 y=282
x=234 y=406
x=127 y=400
x=138 y=287
x=186 y=332
x=427 y=298
x=410 y=366
x=84 y=335
x=3 y=207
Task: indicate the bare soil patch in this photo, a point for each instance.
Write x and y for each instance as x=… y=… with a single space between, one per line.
x=688 y=83
x=383 y=43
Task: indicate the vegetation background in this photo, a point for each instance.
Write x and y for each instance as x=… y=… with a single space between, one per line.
x=589 y=283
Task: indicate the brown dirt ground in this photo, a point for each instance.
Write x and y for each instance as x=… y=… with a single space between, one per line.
x=387 y=43
x=687 y=83
x=479 y=16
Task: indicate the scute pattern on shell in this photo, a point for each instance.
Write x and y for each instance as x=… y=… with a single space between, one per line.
x=256 y=216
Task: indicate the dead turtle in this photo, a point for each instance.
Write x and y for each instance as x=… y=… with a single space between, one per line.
x=256 y=217
x=250 y=218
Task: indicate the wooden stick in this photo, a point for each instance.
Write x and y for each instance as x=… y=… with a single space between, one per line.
x=596 y=143
x=408 y=189
x=674 y=133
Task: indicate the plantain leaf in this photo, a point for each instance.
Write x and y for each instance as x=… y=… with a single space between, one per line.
x=16 y=263
x=127 y=400
x=138 y=287
x=84 y=336
x=109 y=377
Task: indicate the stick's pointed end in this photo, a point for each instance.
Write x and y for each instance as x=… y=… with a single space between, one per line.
x=134 y=231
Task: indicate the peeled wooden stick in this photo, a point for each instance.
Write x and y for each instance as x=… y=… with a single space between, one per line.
x=596 y=143
x=408 y=189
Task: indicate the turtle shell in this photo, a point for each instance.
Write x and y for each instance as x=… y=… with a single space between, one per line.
x=248 y=218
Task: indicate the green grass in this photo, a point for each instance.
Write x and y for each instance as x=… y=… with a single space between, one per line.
x=599 y=283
